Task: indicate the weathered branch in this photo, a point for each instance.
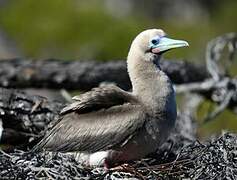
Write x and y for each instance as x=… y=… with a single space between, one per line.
x=24 y=116
x=84 y=75
x=221 y=88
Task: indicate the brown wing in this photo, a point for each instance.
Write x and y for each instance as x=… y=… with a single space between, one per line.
x=99 y=98
x=96 y=130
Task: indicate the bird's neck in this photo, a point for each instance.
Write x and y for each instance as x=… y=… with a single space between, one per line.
x=149 y=82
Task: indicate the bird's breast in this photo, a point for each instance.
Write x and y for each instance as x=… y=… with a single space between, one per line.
x=162 y=116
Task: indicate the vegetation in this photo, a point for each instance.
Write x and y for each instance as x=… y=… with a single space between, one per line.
x=87 y=30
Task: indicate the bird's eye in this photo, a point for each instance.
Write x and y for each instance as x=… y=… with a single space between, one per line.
x=155 y=41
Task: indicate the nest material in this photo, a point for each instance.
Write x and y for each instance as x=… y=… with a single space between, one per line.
x=215 y=159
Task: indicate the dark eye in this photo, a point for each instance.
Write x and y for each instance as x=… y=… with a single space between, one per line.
x=155 y=41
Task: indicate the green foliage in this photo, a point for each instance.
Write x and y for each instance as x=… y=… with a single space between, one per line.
x=225 y=121
x=85 y=30
x=67 y=29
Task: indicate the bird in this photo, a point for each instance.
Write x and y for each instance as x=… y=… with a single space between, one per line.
x=109 y=126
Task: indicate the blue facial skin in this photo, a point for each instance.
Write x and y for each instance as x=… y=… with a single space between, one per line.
x=155 y=41
x=164 y=43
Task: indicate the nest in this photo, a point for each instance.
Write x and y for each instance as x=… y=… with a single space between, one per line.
x=215 y=159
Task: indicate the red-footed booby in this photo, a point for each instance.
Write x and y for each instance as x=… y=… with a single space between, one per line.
x=108 y=125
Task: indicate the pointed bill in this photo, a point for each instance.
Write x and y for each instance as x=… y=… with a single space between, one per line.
x=166 y=44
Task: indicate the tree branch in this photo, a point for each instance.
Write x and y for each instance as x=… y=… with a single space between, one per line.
x=84 y=75
x=24 y=116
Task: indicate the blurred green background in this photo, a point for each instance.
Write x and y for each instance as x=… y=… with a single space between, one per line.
x=103 y=30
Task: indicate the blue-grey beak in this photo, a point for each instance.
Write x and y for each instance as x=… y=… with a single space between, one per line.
x=164 y=44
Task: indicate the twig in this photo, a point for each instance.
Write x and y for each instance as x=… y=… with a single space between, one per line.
x=220 y=108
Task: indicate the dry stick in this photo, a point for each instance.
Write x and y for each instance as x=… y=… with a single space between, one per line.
x=220 y=108
x=175 y=162
x=162 y=166
x=148 y=168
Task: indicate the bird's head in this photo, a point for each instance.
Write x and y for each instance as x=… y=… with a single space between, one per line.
x=151 y=44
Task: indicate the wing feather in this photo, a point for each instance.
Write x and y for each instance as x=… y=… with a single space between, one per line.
x=82 y=128
x=98 y=98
